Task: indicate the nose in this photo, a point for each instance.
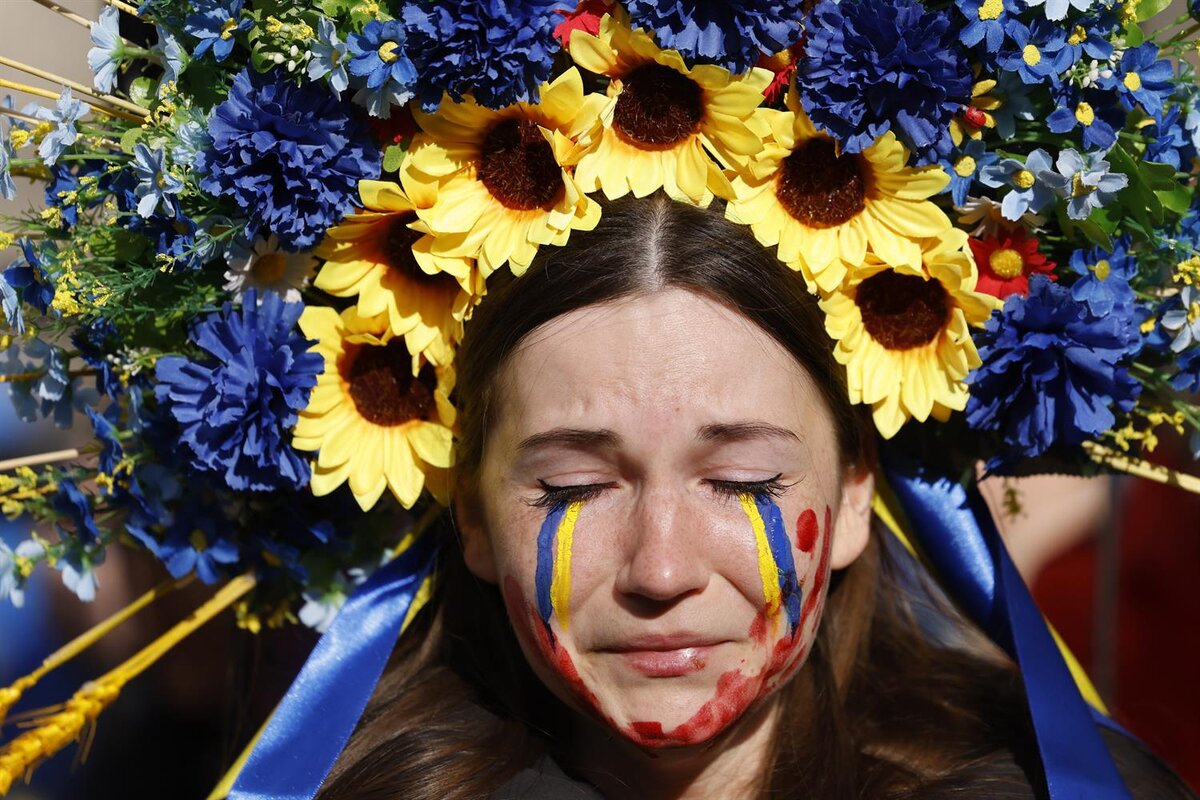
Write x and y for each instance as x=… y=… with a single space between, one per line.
x=665 y=556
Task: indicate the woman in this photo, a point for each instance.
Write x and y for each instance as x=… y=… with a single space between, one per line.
x=671 y=583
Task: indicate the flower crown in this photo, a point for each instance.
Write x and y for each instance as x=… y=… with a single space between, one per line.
x=266 y=226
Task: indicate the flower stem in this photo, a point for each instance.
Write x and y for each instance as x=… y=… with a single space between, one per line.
x=38 y=459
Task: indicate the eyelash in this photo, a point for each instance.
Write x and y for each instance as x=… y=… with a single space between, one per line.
x=555 y=495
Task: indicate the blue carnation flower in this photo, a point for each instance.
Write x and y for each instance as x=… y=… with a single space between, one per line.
x=498 y=50
x=235 y=407
x=1037 y=53
x=381 y=67
x=1092 y=111
x=732 y=34
x=289 y=156
x=1053 y=371
x=1105 y=276
x=1141 y=77
x=964 y=167
x=877 y=65
x=216 y=23
x=1168 y=141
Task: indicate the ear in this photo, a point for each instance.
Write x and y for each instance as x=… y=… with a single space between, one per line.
x=853 y=525
x=476 y=543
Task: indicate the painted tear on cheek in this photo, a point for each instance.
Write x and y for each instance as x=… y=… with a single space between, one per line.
x=552 y=578
x=818 y=584
x=776 y=567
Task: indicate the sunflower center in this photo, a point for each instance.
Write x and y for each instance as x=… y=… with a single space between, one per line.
x=819 y=188
x=1006 y=263
x=383 y=388
x=902 y=311
x=269 y=268
x=398 y=253
x=518 y=167
x=658 y=107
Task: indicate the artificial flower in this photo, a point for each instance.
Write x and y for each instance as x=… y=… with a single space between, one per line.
x=873 y=66
x=157 y=185
x=732 y=34
x=8 y=189
x=585 y=17
x=382 y=255
x=825 y=211
x=904 y=335
x=1007 y=260
x=1182 y=319
x=977 y=115
x=495 y=181
x=65 y=114
x=1092 y=111
x=374 y=423
x=1013 y=102
x=1028 y=194
x=265 y=268
x=1085 y=180
x=1169 y=142
x=289 y=156
x=1037 y=53
x=380 y=64
x=108 y=48
x=215 y=23
x=661 y=117
x=1057 y=9
x=964 y=166
x=1104 y=277
x=1141 y=78
x=329 y=57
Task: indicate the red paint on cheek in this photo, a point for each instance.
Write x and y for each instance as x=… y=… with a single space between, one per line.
x=806 y=531
x=814 y=592
x=734 y=694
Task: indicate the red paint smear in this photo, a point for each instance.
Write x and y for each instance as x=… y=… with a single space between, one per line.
x=807 y=530
x=813 y=595
x=735 y=692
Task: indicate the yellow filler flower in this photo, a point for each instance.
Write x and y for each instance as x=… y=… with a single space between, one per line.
x=661 y=117
x=824 y=210
x=372 y=420
x=499 y=179
x=903 y=334
x=383 y=255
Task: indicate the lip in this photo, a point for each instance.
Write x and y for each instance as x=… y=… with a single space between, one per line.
x=666 y=655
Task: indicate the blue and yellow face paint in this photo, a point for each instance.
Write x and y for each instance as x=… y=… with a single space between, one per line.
x=776 y=567
x=553 y=576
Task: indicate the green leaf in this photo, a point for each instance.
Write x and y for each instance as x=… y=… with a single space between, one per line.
x=1178 y=199
x=1149 y=8
x=393 y=157
x=130 y=138
x=1134 y=35
x=1139 y=197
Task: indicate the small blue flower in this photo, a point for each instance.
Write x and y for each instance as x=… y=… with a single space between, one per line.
x=8 y=189
x=986 y=21
x=174 y=58
x=964 y=167
x=328 y=58
x=730 y=34
x=873 y=66
x=499 y=51
x=95 y=341
x=1053 y=372
x=10 y=579
x=1037 y=53
x=111 y=451
x=1182 y=320
x=28 y=274
x=156 y=184
x=1085 y=181
x=234 y=408
x=192 y=139
x=1057 y=9
x=52 y=393
x=1141 y=77
x=66 y=113
x=198 y=542
x=1168 y=141
x=1028 y=193
x=215 y=23
x=78 y=569
x=378 y=57
x=1015 y=103
x=1104 y=284
x=108 y=49
x=289 y=156
x=1092 y=36
x=10 y=303
x=76 y=507
x=1091 y=111
x=1186 y=379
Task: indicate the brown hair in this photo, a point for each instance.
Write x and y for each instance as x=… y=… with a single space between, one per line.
x=882 y=707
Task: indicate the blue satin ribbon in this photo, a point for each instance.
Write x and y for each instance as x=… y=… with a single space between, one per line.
x=958 y=536
x=314 y=720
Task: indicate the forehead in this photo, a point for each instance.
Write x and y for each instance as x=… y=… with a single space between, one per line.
x=665 y=360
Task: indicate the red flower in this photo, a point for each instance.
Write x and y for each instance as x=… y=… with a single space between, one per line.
x=783 y=64
x=1006 y=261
x=585 y=18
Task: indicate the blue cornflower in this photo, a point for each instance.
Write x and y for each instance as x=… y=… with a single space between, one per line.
x=1052 y=370
x=10 y=304
x=1090 y=110
x=1015 y=103
x=1168 y=141
x=1037 y=53
x=986 y=21
x=1104 y=284
x=1090 y=36
x=732 y=34
x=156 y=184
x=108 y=49
x=52 y=393
x=199 y=541
x=328 y=58
x=1186 y=379
x=191 y=137
x=29 y=275
x=1182 y=319
x=77 y=565
x=76 y=507
x=174 y=57
x=964 y=167
x=103 y=426
x=500 y=51
x=1141 y=77
x=289 y=156
x=1028 y=194
x=215 y=23
x=378 y=57
x=234 y=408
x=1085 y=181
x=66 y=113
x=95 y=341
x=63 y=181
x=1057 y=9
x=8 y=189
x=871 y=66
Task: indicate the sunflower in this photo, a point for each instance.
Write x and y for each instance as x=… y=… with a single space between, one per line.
x=498 y=180
x=661 y=117
x=903 y=333
x=383 y=255
x=371 y=418
x=825 y=210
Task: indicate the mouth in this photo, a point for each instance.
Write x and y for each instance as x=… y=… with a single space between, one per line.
x=665 y=656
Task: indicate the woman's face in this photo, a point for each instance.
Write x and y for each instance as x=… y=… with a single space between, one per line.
x=660 y=501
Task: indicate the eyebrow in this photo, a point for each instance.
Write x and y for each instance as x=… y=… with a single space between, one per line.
x=740 y=431
x=577 y=438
